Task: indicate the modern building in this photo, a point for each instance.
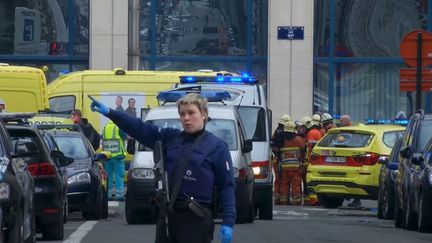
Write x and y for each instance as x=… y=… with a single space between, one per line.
x=345 y=61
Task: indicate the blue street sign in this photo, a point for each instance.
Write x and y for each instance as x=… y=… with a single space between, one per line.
x=290 y=32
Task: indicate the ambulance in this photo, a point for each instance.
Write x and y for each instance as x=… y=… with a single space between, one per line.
x=22 y=89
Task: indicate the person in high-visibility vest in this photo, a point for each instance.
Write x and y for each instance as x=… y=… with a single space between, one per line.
x=291 y=159
x=113 y=142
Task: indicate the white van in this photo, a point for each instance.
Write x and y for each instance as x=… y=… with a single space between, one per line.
x=225 y=123
x=256 y=117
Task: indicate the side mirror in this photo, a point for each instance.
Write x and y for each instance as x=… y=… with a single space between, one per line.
x=417 y=158
x=61 y=159
x=405 y=152
x=103 y=156
x=247 y=146
x=383 y=160
x=130 y=148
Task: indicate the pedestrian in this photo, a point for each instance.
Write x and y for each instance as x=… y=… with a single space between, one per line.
x=89 y=131
x=316 y=118
x=113 y=142
x=327 y=122
x=345 y=121
x=278 y=141
x=209 y=167
x=291 y=159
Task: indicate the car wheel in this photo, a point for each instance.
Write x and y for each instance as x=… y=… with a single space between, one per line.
x=16 y=232
x=330 y=202
x=425 y=213
x=266 y=207
x=132 y=216
x=97 y=212
x=105 y=205
x=410 y=216
x=54 y=231
x=398 y=214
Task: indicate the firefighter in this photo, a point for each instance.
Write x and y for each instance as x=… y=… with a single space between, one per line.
x=316 y=118
x=313 y=135
x=291 y=160
x=327 y=122
x=278 y=140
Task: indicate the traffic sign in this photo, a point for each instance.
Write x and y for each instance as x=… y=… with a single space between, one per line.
x=408 y=48
x=408 y=79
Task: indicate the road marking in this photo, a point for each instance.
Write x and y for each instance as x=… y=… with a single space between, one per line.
x=81 y=232
x=290 y=213
x=113 y=204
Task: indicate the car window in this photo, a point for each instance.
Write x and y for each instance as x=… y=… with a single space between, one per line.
x=253 y=119
x=346 y=139
x=390 y=138
x=62 y=103
x=425 y=134
x=394 y=154
x=224 y=129
x=73 y=147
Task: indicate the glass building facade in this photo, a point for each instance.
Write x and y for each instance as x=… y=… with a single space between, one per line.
x=213 y=34
x=54 y=33
x=356 y=56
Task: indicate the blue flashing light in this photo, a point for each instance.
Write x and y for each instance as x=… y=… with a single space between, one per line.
x=219 y=79
x=245 y=75
x=211 y=96
x=401 y=122
x=387 y=121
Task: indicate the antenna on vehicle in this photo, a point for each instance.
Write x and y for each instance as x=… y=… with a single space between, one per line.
x=241 y=99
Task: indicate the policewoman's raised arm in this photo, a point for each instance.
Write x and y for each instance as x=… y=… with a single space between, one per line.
x=144 y=132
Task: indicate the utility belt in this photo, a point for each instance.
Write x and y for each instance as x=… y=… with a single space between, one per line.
x=201 y=210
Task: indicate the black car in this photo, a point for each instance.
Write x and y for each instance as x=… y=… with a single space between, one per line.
x=87 y=188
x=43 y=166
x=17 y=220
x=417 y=135
x=387 y=183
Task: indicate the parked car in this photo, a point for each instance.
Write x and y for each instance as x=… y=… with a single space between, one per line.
x=49 y=190
x=409 y=180
x=225 y=123
x=387 y=183
x=87 y=186
x=344 y=165
x=17 y=211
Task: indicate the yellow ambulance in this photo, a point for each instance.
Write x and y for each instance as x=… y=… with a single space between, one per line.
x=22 y=89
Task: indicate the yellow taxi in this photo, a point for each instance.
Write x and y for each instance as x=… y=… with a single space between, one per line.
x=344 y=163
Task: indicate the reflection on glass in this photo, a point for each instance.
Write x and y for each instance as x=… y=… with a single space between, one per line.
x=321 y=27
x=81 y=27
x=72 y=147
x=370 y=28
x=194 y=66
x=201 y=27
x=320 y=94
x=145 y=28
x=30 y=27
x=259 y=27
x=62 y=103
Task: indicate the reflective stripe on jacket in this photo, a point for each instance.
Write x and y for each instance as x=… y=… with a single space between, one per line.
x=291 y=152
x=112 y=141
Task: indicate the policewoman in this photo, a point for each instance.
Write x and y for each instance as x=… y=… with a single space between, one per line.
x=209 y=166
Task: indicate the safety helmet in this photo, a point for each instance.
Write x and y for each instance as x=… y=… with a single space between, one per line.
x=316 y=118
x=305 y=120
x=284 y=119
x=290 y=127
x=326 y=118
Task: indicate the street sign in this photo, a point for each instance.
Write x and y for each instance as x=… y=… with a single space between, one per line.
x=290 y=32
x=408 y=79
x=408 y=48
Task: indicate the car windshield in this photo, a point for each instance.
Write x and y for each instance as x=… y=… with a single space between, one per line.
x=390 y=138
x=425 y=134
x=73 y=147
x=62 y=103
x=222 y=128
x=346 y=139
x=253 y=119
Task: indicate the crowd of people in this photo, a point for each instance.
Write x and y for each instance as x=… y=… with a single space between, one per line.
x=293 y=141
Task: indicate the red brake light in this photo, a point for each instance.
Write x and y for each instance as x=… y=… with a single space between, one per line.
x=261 y=169
x=43 y=169
x=366 y=159
x=317 y=159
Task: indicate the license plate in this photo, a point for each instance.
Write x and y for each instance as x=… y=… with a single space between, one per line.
x=333 y=159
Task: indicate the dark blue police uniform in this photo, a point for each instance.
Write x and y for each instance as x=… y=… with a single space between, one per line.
x=210 y=165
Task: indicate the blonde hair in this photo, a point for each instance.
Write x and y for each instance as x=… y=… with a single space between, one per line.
x=194 y=99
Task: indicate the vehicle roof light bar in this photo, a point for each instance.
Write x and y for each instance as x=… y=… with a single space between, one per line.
x=174 y=95
x=402 y=122
x=70 y=127
x=244 y=79
x=8 y=116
